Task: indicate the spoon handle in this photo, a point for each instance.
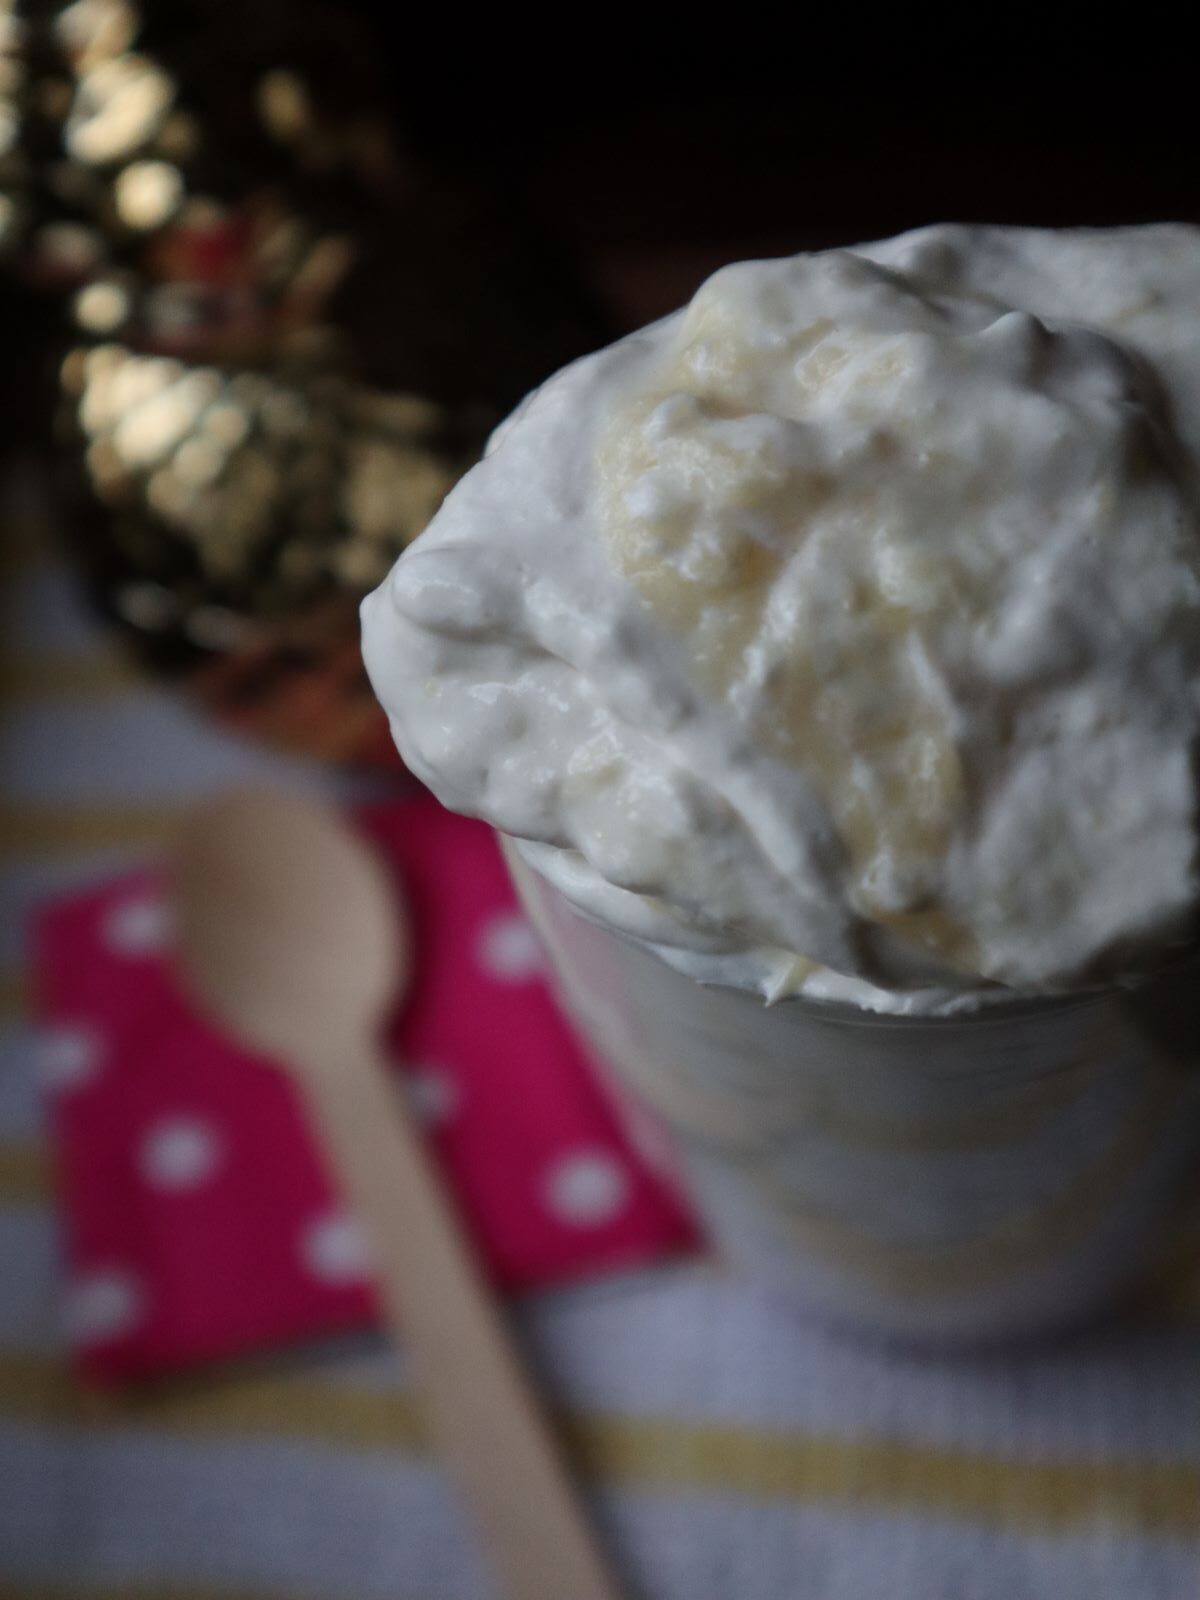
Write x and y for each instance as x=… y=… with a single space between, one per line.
x=483 y=1414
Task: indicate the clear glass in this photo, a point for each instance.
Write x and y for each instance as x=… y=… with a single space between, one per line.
x=951 y=1179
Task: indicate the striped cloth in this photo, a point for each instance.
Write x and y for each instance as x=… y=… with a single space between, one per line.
x=731 y=1452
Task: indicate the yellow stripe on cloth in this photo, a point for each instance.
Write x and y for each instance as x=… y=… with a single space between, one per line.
x=868 y=1475
x=13 y=997
x=66 y=675
x=271 y=1405
x=129 y=1589
x=49 y=830
x=895 y=1476
x=24 y=1173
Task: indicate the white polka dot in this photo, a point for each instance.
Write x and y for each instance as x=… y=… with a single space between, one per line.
x=102 y=1305
x=587 y=1188
x=432 y=1093
x=335 y=1251
x=139 y=927
x=509 y=949
x=180 y=1153
x=69 y=1058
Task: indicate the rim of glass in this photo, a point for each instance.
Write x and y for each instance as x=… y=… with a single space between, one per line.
x=997 y=1010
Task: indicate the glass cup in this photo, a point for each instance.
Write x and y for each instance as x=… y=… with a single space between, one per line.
x=965 y=1178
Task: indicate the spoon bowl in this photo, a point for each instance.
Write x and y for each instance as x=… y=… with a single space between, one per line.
x=288 y=931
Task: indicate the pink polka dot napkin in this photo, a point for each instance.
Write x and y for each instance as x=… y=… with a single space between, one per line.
x=198 y=1220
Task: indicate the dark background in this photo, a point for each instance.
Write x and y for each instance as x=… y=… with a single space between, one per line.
x=641 y=154
x=654 y=155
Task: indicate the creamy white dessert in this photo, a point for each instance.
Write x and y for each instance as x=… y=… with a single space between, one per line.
x=840 y=634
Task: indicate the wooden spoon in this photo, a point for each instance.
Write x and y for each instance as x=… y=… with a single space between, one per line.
x=293 y=939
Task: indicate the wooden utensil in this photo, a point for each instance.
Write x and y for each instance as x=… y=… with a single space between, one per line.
x=292 y=938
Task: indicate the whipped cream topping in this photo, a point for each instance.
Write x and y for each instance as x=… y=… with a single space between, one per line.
x=841 y=633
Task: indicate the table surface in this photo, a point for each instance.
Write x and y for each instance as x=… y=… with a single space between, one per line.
x=731 y=1452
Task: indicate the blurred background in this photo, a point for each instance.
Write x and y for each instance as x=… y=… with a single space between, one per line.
x=270 y=271
x=342 y=247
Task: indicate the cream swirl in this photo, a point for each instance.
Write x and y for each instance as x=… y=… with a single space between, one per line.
x=846 y=622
